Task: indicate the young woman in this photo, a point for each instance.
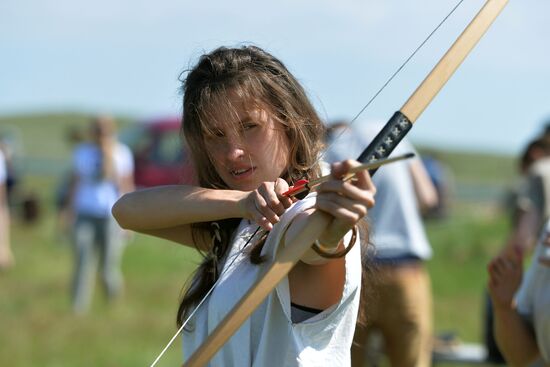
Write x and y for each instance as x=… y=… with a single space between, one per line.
x=252 y=132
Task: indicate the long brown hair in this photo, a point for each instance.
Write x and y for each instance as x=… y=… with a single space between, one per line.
x=260 y=81
x=103 y=129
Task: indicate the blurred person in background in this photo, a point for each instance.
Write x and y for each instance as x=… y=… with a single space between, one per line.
x=10 y=147
x=532 y=203
x=522 y=318
x=102 y=171
x=442 y=178
x=6 y=255
x=64 y=221
x=400 y=307
x=529 y=208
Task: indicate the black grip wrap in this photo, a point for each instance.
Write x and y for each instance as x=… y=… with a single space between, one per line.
x=387 y=139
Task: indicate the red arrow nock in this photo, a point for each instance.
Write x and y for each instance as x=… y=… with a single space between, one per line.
x=298 y=187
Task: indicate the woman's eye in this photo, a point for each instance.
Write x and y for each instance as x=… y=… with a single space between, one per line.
x=219 y=134
x=249 y=126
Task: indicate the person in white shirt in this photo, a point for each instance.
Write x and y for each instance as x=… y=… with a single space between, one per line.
x=102 y=171
x=252 y=132
x=6 y=256
x=403 y=317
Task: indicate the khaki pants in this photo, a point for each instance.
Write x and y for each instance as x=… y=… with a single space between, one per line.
x=401 y=310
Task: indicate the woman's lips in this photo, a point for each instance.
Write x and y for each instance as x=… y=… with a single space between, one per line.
x=242 y=173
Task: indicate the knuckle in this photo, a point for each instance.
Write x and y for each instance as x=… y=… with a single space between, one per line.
x=351 y=220
x=256 y=195
x=369 y=201
x=348 y=163
x=281 y=184
x=373 y=190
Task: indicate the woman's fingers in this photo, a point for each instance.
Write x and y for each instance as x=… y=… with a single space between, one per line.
x=345 y=209
x=267 y=203
x=348 y=190
x=361 y=179
x=347 y=201
x=262 y=212
x=281 y=186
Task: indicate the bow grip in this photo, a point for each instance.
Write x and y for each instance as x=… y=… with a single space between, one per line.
x=387 y=139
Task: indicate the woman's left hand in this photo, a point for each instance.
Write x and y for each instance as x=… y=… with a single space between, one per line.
x=265 y=204
x=347 y=201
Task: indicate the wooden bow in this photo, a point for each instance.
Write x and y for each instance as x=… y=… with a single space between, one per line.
x=396 y=128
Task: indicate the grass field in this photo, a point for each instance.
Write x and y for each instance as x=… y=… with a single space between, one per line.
x=38 y=329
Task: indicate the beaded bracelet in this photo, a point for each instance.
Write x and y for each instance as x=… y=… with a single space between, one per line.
x=327 y=253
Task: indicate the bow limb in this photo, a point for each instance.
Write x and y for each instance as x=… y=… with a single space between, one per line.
x=380 y=147
x=401 y=122
x=445 y=68
x=285 y=260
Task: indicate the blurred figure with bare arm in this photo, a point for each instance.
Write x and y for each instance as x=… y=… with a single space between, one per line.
x=533 y=201
x=6 y=255
x=519 y=323
x=522 y=319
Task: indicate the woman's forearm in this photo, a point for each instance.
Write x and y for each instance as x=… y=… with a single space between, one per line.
x=172 y=206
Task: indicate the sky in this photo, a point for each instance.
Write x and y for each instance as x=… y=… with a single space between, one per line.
x=125 y=57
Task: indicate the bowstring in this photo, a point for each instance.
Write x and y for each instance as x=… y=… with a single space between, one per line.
x=224 y=269
x=348 y=126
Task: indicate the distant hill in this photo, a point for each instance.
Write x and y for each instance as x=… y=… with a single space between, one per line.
x=44 y=136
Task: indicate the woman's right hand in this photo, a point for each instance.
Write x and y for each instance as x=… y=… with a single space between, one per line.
x=266 y=204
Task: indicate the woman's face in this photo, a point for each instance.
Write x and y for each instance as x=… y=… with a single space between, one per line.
x=249 y=149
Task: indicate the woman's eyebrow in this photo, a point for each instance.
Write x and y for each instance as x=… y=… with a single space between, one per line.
x=246 y=120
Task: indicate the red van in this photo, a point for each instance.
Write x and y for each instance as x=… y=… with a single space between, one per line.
x=159 y=155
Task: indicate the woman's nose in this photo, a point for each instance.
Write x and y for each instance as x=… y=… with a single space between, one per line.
x=234 y=150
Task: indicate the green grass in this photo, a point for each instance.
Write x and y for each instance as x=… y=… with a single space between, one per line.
x=37 y=327
x=479 y=168
x=463 y=245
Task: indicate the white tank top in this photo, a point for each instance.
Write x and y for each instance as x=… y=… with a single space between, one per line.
x=269 y=337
